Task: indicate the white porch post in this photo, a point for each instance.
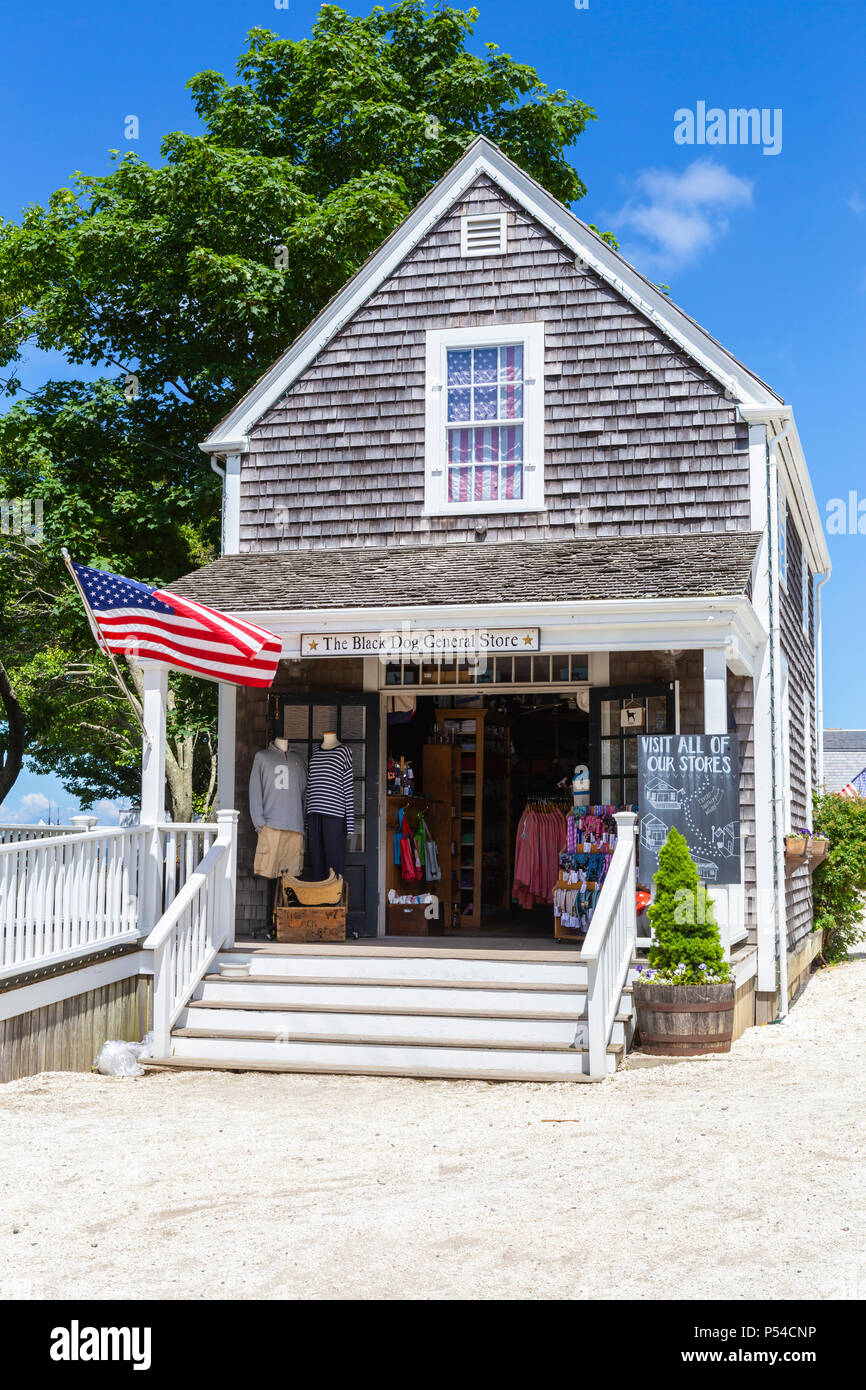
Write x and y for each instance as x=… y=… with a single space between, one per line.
x=727 y=900
x=155 y=703
x=715 y=691
x=226 y=736
x=228 y=826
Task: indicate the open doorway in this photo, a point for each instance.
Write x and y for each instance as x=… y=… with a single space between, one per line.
x=482 y=774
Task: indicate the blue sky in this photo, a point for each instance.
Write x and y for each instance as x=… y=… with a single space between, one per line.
x=768 y=252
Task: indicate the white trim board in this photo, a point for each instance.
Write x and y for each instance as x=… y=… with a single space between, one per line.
x=483 y=158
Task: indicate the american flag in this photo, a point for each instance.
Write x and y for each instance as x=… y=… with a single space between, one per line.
x=857 y=786
x=148 y=624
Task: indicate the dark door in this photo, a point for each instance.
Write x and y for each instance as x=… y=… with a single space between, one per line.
x=303 y=719
x=618 y=714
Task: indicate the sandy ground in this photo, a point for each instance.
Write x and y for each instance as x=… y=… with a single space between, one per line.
x=734 y=1177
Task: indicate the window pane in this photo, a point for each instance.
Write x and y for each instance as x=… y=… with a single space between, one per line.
x=579 y=668
x=511 y=363
x=357 y=842
x=657 y=714
x=300 y=748
x=354 y=721
x=459 y=480
x=486 y=364
x=541 y=668
x=486 y=483
x=610 y=756
x=609 y=791
x=296 y=721
x=630 y=754
x=458 y=403
x=359 y=759
x=511 y=486
x=610 y=716
x=511 y=444
x=484 y=403
x=324 y=718
x=510 y=402
x=459 y=367
x=393 y=673
x=560 y=668
x=522 y=670
x=504 y=669
x=631 y=791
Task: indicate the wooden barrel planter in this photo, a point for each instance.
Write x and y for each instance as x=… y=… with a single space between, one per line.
x=684 y=1020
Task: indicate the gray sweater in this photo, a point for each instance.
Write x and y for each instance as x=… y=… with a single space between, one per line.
x=277 y=784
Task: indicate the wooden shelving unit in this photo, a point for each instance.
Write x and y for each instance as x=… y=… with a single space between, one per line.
x=467 y=726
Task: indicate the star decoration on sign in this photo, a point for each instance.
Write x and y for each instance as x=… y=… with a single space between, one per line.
x=528 y=639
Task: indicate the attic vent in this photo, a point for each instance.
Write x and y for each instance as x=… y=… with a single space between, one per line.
x=483 y=235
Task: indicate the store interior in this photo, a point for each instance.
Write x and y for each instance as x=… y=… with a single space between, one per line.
x=489 y=779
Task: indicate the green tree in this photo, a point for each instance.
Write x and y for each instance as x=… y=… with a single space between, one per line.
x=181 y=283
x=682 y=919
x=839 y=884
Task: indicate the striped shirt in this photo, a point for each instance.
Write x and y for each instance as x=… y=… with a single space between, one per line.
x=330 y=790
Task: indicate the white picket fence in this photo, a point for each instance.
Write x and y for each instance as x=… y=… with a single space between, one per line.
x=67 y=895
x=610 y=944
x=13 y=834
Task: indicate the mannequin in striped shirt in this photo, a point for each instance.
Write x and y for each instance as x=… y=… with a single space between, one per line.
x=330 y=805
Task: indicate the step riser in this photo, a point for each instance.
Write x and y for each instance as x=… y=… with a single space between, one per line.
x=387 y=1028
x=374 y=1060
x=504 y=1003
x=445 y=968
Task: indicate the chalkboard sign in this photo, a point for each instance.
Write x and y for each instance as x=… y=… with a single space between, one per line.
x=692 y=782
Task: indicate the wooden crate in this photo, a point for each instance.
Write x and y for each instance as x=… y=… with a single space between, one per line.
x=410 y=919
x=313 y=923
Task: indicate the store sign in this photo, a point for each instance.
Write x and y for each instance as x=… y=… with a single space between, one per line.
x=691 y=782
x=422 y=643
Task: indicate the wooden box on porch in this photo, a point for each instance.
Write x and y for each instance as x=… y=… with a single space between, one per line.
x=313 y=923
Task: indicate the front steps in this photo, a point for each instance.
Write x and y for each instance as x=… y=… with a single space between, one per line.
x=486 y=1014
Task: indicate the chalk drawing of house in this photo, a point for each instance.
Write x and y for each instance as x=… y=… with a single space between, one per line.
x=661 y=794
x=725 y=839
x=653 y=832
x=707 y=870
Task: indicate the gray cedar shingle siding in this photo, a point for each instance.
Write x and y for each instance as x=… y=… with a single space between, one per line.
x=799 y=652
x=485 y=572
x=639 y=439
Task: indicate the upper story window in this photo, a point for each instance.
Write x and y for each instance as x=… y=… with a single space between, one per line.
x=783 y=536
x=485 y=419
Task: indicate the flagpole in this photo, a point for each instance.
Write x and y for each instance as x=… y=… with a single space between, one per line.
x=102 y=644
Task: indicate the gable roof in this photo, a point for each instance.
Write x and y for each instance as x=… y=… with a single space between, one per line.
x=484 y=158
x=657 y=567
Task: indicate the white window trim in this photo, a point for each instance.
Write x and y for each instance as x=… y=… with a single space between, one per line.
x=531 y=336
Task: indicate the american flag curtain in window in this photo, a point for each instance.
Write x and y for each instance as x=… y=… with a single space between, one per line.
x=485 y=454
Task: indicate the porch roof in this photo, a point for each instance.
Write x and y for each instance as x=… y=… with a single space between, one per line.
x=697 y=565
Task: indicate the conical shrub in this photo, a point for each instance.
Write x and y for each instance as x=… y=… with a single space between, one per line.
x=687 y=948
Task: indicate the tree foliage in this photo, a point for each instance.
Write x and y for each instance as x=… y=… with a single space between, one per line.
x=839 y=883
x=181 y=283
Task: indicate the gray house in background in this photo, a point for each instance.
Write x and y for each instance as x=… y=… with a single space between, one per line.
x=844 y=756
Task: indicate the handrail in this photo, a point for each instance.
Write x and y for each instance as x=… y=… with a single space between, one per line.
x=195 y=927
x=108 y=832
x=609 y=945
x=187 y=894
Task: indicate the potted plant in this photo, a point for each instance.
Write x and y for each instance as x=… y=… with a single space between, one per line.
x=820 y=850
x=684 y=996
x=797 y=844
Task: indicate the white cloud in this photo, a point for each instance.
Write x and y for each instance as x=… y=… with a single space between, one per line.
x=35 y=803
x=107 y=811
x=677 y=216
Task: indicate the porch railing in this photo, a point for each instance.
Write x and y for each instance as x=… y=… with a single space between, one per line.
x=67 y=895
x=609 y=946
x=197 y=924
x=12 y=834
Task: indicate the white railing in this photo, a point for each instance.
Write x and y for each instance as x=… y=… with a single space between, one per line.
x=194 y=928
x=63 y=896
x=12 y=834
x=68 y=894
x=610 y=943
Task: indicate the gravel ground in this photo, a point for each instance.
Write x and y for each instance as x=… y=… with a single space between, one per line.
x=725 y=1177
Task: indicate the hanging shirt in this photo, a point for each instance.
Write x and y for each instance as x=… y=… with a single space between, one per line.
x=330 y=790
